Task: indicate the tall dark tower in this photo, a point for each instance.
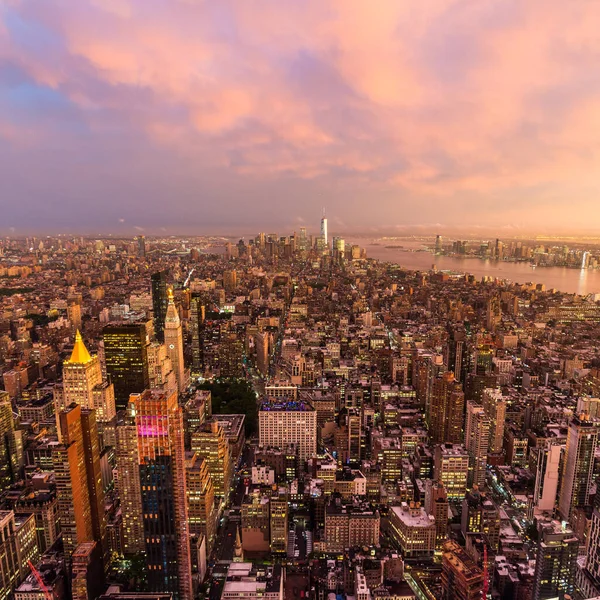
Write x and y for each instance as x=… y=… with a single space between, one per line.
x=159 y=423
x=126 y=358
x=160 y=301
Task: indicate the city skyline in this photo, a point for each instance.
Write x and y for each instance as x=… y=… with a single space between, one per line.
x=201 y=117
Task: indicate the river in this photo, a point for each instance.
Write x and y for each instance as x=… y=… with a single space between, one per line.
x=571 y=281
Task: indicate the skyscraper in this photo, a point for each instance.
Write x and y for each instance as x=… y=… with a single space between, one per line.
x=128 y=485
x=159 y=303
x=477 y=440
x=141 y=243
x=69 y=461
x=324 y=229
x=578 y=464
x=91 y=451
x=9 y=456
x=159 y=422
x=556 y=561
x=173 y=336
x=494 y=405
x=210 y=443
x=83 y=385
x=126 y=358
x=201 y=499
x=445 y=414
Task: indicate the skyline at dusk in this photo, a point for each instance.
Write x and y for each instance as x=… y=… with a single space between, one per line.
x=199 y=117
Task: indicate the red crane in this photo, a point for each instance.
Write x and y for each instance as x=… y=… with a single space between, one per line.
x=40 y=581
x=484 y=591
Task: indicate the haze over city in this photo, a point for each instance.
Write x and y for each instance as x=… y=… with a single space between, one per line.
x=188 y=116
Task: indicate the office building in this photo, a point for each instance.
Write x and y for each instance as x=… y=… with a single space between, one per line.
x=494 y=405
x=174 y=341
x=556 y=561
x=69 y=462
x=451 y=468
x=128 y=485
x=350 y=525
x=578 y=464
x=288 y=422
x=159 y=303
x=278 y=523
x=446 y=408
x=11 y=451
x=230 y=280
x=436 y=504
x=413 y=529
x=548 y=462
x=159 y=422
x=87 y=574
x=126 y=359
x=480 y=515
x=202 y=514
x=477 y=440
x=83 y=384
x=209 y=442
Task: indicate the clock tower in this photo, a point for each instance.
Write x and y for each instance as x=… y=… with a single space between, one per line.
x=174 y=341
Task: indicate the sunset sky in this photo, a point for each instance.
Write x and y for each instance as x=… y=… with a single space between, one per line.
x=185 y=116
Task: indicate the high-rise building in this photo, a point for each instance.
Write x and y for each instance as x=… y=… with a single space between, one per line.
x=548 y=462
x=196 y=325
x=160 y=367
x=128 y=484
x=279 y=519
x=141 y=246
x=324 y=229
x=480 y=515
x=159 y=303
x=494 y=405
x=451 y=468
x=578 y=463
x=10 y=451
x=477 y=439
x=261 y=341
x=83 y=384
x=413 y=529
x=462 y=578
x=230 y=280
x=126 y=358
x=74 y=315
x=174 y=341
x=446 y=409
x=209 y=442
x=436 y=504
x=87 y=574
x=202 y=514
x=159 y=422
x=91 y=451
x=288 y=422
x=556 y=561
x=351 y=525
x=69 y=461
x=592 y=564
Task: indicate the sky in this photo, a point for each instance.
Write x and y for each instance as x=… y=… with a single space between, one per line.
x=196 y=116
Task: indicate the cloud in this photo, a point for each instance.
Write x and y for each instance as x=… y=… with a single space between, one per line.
x=458 y=110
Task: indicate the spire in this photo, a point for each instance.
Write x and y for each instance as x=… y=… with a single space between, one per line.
x=172 y=314
x=238 y=551
x=80 y=353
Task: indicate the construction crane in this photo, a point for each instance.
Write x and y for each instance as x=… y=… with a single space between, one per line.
x=484 y=591
x=40 y=581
